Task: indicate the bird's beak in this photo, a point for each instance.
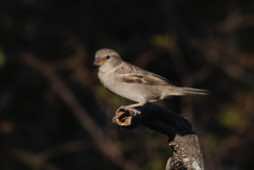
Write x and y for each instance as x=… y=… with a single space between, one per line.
x=99 y=61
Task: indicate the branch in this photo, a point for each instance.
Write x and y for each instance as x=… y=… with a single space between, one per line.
x=236 y=21
x=104 y=144
x=183 y=142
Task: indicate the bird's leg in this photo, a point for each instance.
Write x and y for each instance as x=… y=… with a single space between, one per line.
x=136 y=105
x=132 y=107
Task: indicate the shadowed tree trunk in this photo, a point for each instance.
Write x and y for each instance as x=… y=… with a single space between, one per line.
x=183 y=141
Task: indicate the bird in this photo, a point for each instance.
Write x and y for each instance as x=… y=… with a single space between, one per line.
x=134 y=83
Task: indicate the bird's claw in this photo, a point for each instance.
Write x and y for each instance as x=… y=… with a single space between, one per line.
x=132 y=111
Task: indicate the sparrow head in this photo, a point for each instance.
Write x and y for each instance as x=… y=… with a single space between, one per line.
x=106 y=55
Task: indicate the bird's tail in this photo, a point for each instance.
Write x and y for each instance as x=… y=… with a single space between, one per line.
x=192 y=91
x=181 y=91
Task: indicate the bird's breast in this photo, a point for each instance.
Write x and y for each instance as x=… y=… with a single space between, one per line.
x=126 y=90
x=106 y=78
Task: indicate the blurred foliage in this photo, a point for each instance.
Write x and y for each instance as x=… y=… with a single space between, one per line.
x=204 y=44
x=232 y=119
x=164 y=41
x=2 y=58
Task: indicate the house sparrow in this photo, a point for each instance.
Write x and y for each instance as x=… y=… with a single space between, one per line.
x=134 y=83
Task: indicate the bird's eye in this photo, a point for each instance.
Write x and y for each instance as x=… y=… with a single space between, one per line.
x=107 y=57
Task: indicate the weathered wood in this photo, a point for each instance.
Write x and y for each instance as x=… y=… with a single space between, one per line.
x=183 y=142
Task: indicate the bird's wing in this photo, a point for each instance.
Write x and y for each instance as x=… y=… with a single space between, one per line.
x=132 y=74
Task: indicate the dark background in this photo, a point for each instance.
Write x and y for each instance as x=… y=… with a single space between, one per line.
x=48 y=81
